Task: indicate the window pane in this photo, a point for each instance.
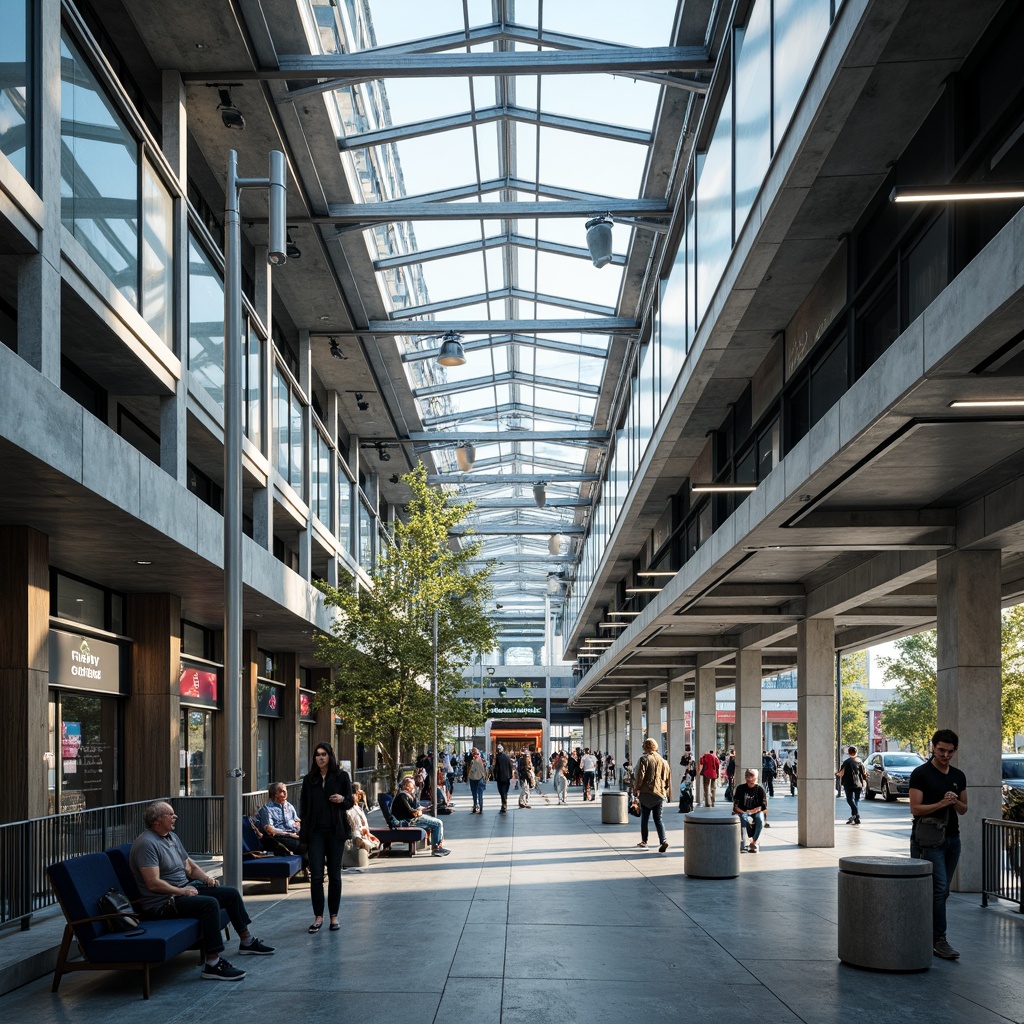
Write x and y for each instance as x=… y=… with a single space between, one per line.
x=714 y=211
x=753 y=108
x=280 y=426
x=297 y=432
x=800 y=29
x=253 y=386
x=344 y=528
x=157 y=255
x=99 y=176
x=15 y=98
x=205 y=323
x=365 y=538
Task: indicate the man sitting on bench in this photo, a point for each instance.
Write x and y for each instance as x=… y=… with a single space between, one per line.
x=278 y=823
x=405 y=811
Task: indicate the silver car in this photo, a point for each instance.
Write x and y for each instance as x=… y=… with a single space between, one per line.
x=889 y=773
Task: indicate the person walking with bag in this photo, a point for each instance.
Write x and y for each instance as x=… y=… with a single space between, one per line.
x=852 y=775
x=937 y=789
x=477 y=775
x=710 y=766
x=652 y=782
x=324 y=803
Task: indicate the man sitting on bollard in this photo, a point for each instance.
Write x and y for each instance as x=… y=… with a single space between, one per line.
x=751 y=803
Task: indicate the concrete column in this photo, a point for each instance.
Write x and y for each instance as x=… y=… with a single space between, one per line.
x=39 y=274
x=588 y=728
x=618 y=716
x=816 y=717
x=676 y=720
x=652 y=725
x=749 y=741
x=636 y=727
x=24 y=673
x=707 y=731
x=969 y=690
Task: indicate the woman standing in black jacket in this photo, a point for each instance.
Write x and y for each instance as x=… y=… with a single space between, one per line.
x=326 y=797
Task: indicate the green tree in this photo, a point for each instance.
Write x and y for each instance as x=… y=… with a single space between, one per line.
x=853 y=678
x=910 y=716
x=381 y=642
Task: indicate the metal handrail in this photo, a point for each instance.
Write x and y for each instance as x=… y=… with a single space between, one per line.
x=1002 y=860
x=28 y=847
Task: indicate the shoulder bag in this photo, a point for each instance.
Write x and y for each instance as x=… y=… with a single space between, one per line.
x=113 y=901
x=930 y=831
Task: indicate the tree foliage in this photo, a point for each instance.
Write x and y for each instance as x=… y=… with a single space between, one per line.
x=381 y=642
x=853 y=719
x=912 y=714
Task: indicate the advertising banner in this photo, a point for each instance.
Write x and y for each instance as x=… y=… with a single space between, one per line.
x=198 y=685
x=84 y=663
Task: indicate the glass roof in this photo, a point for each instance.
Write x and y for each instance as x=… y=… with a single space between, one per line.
x=521 y=139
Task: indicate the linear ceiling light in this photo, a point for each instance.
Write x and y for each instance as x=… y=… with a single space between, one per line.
x=643 y=590
x=612 y=625
x=987 y=403
x=722 y=488
x=452 y=352
x=622 y=613
x=656 y=573
x=955 y=193
x=465 y=456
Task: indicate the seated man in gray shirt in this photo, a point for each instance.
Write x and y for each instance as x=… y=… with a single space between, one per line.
x=173 y=885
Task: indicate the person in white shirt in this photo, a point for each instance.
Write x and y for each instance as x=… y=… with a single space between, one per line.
x=588 y=765
x=360 y=825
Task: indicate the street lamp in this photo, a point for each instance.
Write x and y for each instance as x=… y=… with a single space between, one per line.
x=276 y=256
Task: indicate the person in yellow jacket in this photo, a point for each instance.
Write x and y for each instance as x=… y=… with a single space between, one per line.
x=652 y=782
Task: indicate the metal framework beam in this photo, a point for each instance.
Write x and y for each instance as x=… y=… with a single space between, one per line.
x=592 y=438
x=350 y=68
x=482 y=344
x=495 y=412
x=511 y=478
x=506 y=377
x=393 y=210
x=488 y=115
x=502 y=294
x=435 y=328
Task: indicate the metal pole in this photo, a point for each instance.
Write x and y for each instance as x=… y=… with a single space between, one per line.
x=435 y=760
x=233 y=526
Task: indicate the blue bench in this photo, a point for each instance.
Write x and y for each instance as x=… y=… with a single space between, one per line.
x=403 y=834
x=79 y=882
x=273 y=869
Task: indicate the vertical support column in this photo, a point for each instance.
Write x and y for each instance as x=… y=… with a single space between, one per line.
x=636 y=727
x=749 y=740
x=152 y=718
x=24 y=672
x=286 y=739
x=707 y=722
x=173 y=408
x=816 y=716
x=39 y=274
x=652 y=724
x=969 y=690
x=618 y=714
x=676 y=720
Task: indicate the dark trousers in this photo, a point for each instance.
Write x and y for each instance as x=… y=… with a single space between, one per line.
x=944 y=860
x=768 y=781
x=279 y=844
x=205 y=908
x=645 y=815
x=503 y=791
x=325 y=848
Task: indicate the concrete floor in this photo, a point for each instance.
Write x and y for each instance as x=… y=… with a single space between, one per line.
x=547 y=915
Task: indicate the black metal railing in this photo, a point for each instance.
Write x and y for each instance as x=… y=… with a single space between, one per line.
x=1002 y=857
x=27 y=848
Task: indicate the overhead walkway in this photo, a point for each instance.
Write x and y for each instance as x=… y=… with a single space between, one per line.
x=548 y=915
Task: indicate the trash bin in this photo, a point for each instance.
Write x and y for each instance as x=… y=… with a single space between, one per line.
x=613 y=808
x=711 y=844
x=885 y=913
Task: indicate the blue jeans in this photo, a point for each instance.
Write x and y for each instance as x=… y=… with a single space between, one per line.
x=753 y=823
x=853 y=799
x=477 y=787
x=944 y=860
x=431 y=825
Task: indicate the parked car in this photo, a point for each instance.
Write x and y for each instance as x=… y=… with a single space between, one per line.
x=889 y=773
x=1013 y=771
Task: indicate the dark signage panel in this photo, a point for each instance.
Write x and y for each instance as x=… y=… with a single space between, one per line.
x=198 y=685
x=83 y=663
x=269 y=700
x=514 y=708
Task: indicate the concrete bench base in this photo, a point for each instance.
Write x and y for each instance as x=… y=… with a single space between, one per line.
x=711 y=844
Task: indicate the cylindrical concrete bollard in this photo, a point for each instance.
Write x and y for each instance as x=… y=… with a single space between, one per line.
x=613 y=808
x=354 y=856
x=711 y=844
x=885 y=913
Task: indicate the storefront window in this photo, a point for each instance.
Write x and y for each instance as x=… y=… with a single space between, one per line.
x=197 y=752
x=265 y=752
x=85 y=733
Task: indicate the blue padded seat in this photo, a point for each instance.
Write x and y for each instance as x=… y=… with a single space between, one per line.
x=79 y=882
x=276 y=869
x=404 y=834
x=120 y=857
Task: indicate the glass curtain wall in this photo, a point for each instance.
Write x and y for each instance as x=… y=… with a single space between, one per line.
x=15 y=94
